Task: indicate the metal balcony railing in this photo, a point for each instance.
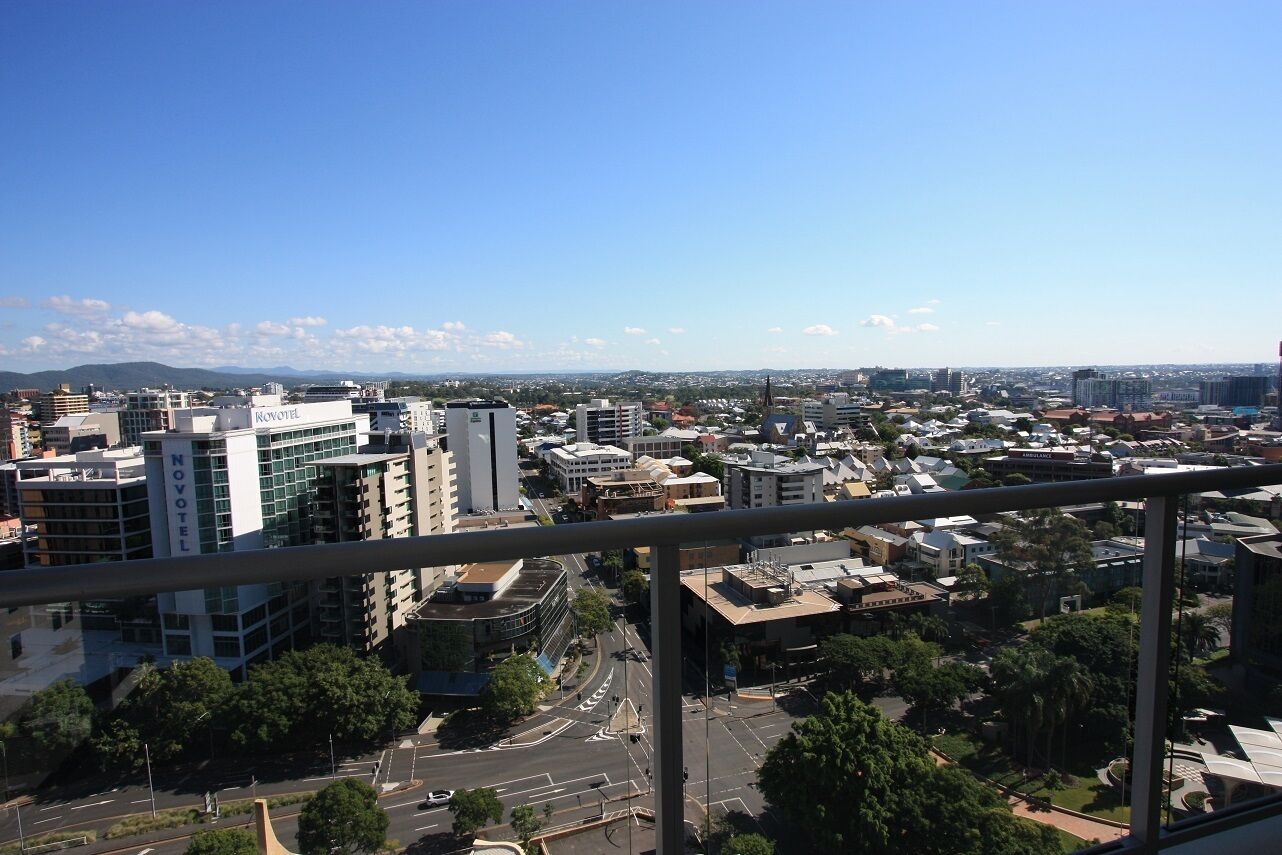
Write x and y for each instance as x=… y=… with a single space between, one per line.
x=665 y=534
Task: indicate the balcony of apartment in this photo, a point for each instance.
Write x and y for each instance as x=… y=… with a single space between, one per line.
x=1238 y=824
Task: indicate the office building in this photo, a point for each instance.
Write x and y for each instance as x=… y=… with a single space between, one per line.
x=948 y=382
x=571 y=465
x=1050 y=464
x=608 y=423
x=237 y=479
x=61 y=402
x=398 y=415
x=1246 y=391
x=888 y=380
x=835 y=411
x=1213 y=392
x=1092 y=388
x=149 y=409
x=483 y=615
x=81 y=432
x=482 y=438
x=400 y=485
x=1257 y=603
x=766 y=480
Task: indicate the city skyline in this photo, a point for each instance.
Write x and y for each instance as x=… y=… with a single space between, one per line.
x=510 y=188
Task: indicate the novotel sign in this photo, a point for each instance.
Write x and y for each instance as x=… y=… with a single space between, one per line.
x=182 y=508
x=277 y=416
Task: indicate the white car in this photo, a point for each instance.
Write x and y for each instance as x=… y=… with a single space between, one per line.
x=436 y=798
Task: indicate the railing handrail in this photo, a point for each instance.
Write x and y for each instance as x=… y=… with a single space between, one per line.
x=34 y=586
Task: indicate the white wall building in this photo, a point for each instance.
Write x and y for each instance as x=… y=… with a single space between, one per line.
x=230 y=480
x=835 y=411
x=608 y=423
x=149 y=409
x=571 y=465
x=482 y=438
x=398 y=415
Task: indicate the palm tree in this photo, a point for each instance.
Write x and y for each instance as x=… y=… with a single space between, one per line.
x=1199 y=633
x=1069 y=686
x=1019 y=679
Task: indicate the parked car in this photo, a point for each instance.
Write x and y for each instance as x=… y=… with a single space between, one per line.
x=436 y=798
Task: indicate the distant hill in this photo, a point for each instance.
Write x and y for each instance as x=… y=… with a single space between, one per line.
x=132 y=375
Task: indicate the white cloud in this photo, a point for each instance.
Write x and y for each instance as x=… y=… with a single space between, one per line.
x=927 y=328
x=653 y=341
x=151 y=320
x=502 y=339
x=594 y=342
x=396 y=340
x=932 y=302
x=878 y=321
x=84 y=308
x=676 y=330
x=634 y=330
x=33 y=342
x=13 y=303
x=775 y=330
x=307 y=321
x=453 y=326
x=819 y=329
x=271 y=328
x=921 y=310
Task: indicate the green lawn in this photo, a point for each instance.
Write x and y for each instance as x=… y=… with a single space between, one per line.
x=1089 y=795
x=1070 y=842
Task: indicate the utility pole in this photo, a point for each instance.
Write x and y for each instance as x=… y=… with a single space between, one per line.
x=22 y=840
x=333 y=767
x=146 y=750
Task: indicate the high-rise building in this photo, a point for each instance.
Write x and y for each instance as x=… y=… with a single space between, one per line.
x=346 y=390
x=88 y=508
x=482 y=438
x=398 y=414
x=1213 y=392
x=949 y=381
x=766 y=480
x=1246 y=391
x=889 y=379
x=1091 y=388
x=149 y=409
x=1133 y=392
x=400 y=485
x=15 y=440
x=61 y=402
x=608 y=423
x=236 y=479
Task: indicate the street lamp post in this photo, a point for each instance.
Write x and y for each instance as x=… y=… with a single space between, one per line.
x=4 y=750
x=146 y=750
x=333 y=767
x=22 y=840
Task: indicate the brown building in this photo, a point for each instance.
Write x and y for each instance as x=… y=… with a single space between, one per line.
x=627 y=491
x=876 y=545
x=1050 y=464
x=61 y=402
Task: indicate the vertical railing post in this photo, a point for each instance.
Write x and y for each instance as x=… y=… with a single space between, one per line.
x=665 y=638
x=1151 y=686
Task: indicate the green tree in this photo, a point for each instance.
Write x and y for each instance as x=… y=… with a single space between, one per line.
x=592 y=611
x=930 y=689
x=748 y=844
x=636 y=588
x=1199 y=633
x=475 y=809
x=516 y=684
x=612 y=563
x=526 y=824
x=223 y=841
x=1007 y=599
x=1046 y=547
x=1221 y=614
x=1016 y=479
x=305 y=696
x=168 y=708
x=890 y=795
x=57 y=719
x=342 y=819
x=850 y=661
x=972 y=580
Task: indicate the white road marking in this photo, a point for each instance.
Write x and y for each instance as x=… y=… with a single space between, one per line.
x=422 y=828
x=145 y=851
x=50 y=819
x=140 y=801
x=51 y=807
x=94 y=804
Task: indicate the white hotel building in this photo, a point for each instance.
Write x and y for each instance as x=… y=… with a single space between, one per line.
x=229 y=480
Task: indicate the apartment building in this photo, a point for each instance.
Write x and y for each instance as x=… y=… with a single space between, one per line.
x=15 y=439
x=399 y=485
x=764 y=480
x=835 y=411
x=482 y=438
x=345 y=390
x=149 y=409
x=398 y=414
x=232 y=480
x=659 y=446
x=607 y=423
x=61 y=402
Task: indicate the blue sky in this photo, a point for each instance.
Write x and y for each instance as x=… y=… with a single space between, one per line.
x=476 y=186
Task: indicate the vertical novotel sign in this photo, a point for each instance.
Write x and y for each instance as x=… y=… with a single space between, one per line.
x=181 y=495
